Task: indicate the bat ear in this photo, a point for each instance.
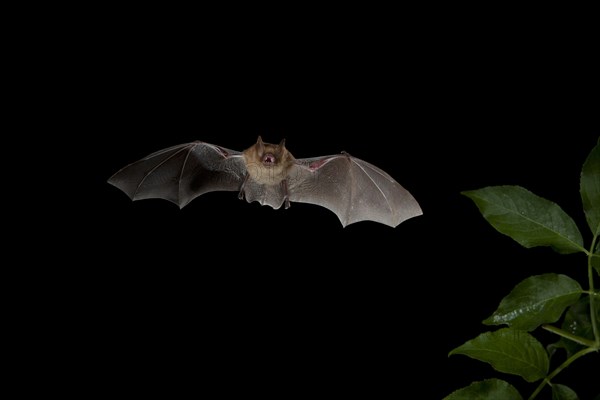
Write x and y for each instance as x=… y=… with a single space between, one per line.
x=260 y=145
x=282 y=144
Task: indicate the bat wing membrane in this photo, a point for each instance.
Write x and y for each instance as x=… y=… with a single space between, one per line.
x=353 y=189
x=181 y=173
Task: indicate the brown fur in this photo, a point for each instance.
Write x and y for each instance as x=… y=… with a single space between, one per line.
x=267 y=173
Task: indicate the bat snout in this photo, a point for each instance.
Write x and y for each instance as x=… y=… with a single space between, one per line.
x=269 y=159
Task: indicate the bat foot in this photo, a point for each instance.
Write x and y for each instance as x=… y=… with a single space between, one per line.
x=242 y=188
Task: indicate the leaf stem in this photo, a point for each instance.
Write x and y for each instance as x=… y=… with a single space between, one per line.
x=570 y=336
x=591 y=284
x=558 y=369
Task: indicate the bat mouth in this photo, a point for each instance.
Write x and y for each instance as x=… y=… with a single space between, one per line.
x=269 y=159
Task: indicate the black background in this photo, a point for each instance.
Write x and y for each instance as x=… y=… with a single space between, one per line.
x=242 y=298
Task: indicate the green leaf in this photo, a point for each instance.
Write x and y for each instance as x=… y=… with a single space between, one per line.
x=562 y=392
x=536 y=300
x=489 y=389
x=527 y=218
x=590 y=189
x=577 y=322
x=508 y=350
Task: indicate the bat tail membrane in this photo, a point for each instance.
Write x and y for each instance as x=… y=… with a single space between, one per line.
x=266 y=195
x=181 y=173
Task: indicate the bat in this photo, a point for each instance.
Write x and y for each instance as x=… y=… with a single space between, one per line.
x=353 y=189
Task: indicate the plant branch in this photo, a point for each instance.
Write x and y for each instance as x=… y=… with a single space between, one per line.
x=592 y=298
x=558 y=369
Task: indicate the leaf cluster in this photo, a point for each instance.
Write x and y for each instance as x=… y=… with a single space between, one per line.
x=553 y=302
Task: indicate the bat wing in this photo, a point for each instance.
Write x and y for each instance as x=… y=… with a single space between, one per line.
x=352 y=188
x=181 y=173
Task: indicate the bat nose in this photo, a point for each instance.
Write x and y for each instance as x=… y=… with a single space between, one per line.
x=269 y=158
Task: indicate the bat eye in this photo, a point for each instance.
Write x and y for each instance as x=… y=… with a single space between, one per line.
x=269 y=158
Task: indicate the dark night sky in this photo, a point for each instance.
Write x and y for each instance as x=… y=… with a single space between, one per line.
x=282 y=301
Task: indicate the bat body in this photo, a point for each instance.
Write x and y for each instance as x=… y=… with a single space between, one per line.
x=267 y=173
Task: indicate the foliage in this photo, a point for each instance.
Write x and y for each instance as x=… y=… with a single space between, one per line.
x=539 y=301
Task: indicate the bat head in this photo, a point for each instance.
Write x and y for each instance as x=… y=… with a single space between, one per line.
x=268 y=163
x=270 y=154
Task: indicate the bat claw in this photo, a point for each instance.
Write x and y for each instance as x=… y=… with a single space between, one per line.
x=286 y=203
x=241 y=195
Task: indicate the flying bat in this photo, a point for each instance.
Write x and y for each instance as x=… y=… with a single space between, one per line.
x=353 y=189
